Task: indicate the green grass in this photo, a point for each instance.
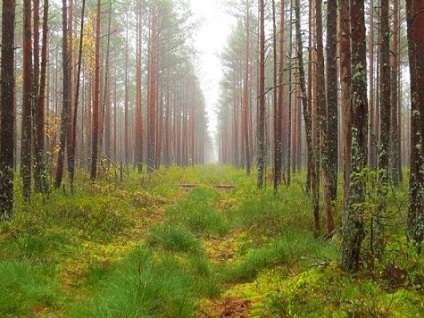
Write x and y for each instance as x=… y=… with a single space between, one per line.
x=173 y=238
x=147 y=285
x=68 y=256
x=26 y=287
x=197 y=213
x=291 y=249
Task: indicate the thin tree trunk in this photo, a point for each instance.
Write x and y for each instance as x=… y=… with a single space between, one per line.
x=261 y=97
x=323 y=123
x=246 y=97
x=377 y=240
x=72 y=146
x=66 y=97
x=277 y=119
x=372 y=101
x=153 y=73
x=27 y=103
x=308 y=122
x=7 y=110
x=96 y=99
x=290 y=105
x=40 y=173
x=332 y=105
x=345 y=78
x=395 y=100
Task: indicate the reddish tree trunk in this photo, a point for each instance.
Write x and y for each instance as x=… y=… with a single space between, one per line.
x=415 y=23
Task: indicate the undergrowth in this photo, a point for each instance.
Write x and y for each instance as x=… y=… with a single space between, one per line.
x=145 y=247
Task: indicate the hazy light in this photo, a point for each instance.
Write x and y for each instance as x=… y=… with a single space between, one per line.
x=210 y=40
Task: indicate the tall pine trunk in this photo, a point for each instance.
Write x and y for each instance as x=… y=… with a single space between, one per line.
x=415 y=23
x=66 y=97
x=96 y=99
x=261 y=98
x=27 y=104
x=153 y=80
x=7 y=110
x=332 y=105
x=345 y=78
x=307 y=114
x=323 y=124
x=353 y=214
x=72 y=146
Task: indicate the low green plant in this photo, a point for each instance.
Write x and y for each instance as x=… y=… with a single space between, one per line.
x=327 y=291
x=25 y=287
x=197 y=213
x=145 y=285
x=290 y=248
x=173 y=238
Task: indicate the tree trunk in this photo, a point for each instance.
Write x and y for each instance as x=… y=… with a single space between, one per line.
x=66 y=97
x=372 y=101
x=277 y=111
x=26 y=144
x=353 y=215
x=323 y=123
x=332 y=105
x=139 y=95
x=415 y=23
x=261 y=97
x=377 y=239
x=72 y=146
x=96 y=99
x=246 y=95
x=308 y=123
x=345 y=78
x=289 y=126
x=40 y=173
x=7 y=110
x=280 y=97
x=153 y=73
x=395 y=167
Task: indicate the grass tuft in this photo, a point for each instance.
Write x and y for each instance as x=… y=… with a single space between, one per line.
x=173 y=238
x=25 y=287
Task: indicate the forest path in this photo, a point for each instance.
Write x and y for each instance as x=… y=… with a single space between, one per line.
x=80 y=272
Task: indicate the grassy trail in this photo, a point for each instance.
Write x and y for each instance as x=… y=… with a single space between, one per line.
x=146 y=248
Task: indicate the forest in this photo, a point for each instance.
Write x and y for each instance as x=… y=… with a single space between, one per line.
x=127 y=190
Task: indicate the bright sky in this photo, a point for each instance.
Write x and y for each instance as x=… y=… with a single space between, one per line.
x=210 y=40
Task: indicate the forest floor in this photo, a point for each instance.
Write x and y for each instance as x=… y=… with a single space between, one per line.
x=147 y=247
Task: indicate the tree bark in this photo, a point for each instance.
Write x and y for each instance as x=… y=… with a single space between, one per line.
x=72 y=146
x=353 y=215
x=415 y=33
x=395 y=166
x=377 y=239
x=308 y=122
x=66 y=97
x=332 y=99
x=96 y=99
x=261 y=97
x=153 y=73
x=323 y=123
x=27 y=103
x=40 y=173
x=246 y=94
x=345 y=79
x=7 y=110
